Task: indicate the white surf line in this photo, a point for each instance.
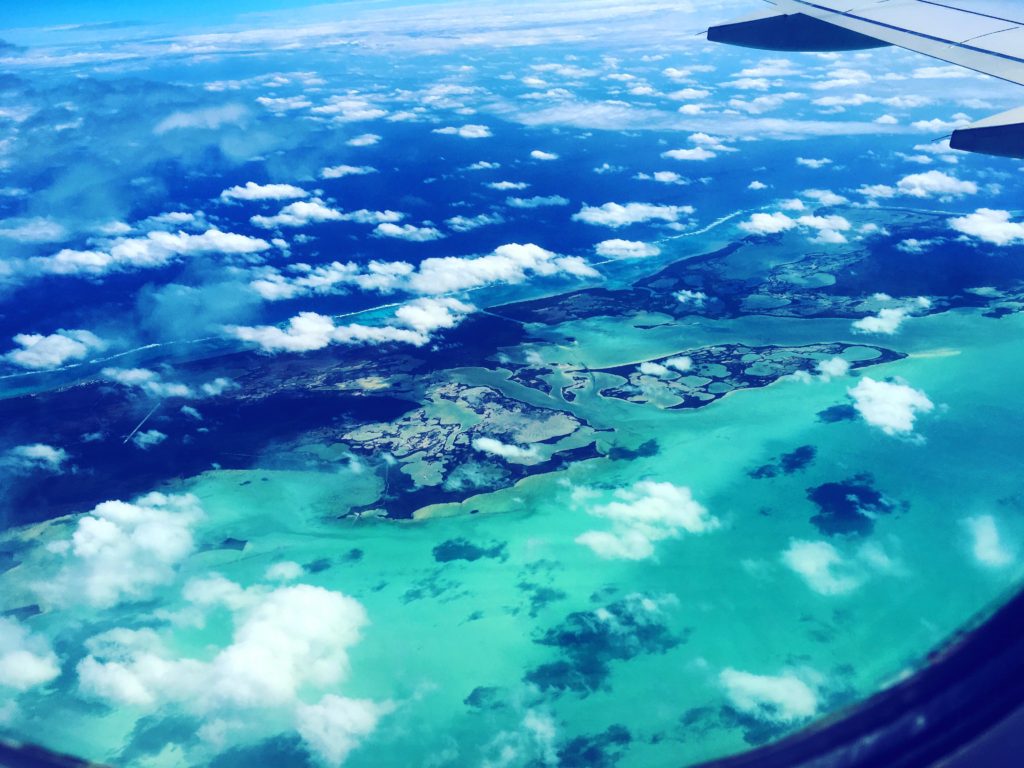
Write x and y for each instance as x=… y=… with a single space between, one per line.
x=144 y=420
x=714 y=224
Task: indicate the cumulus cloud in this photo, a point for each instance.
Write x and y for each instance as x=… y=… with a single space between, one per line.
x=893 y=407
x=815 y=163
x=298 y=214
x=992 y=226
x=150 y=382
x=364 y=140
x=341 y=171
x=309 y=331
x=767 y=223
x=826 y=229
x=155 y=249
x=147 y=439
x=820 y=565
x=26 y=659
x=469 y=223
x=889 y=319
x=616 y=215
x=986 y=544
x=466 y=131
x=287 y=642
x=541 y=201
x=254 y=191
x=34 y=457
x=40 y=352
x=834 y=367
x=783 y=699
x=409 y=232
x=693 y=153
x=33 y=230
x=935 y=183
x=122 y=551
x=209 y=118
x=513 y=453
x=335 y=726
x=626 y=249
x=539 y=154
x=511 y=263
x=642 y=515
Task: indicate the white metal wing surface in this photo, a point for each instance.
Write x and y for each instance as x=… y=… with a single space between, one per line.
x=983 y=35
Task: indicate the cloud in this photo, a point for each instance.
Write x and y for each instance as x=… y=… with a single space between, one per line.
x=810 y=162
x=986 y=543
x=767 y=223
x=483 y=165
x=287 y=642
x=123 y=551
x=617 y=215
x=148 y=381
x=154 y=250
x=824 y=196
x=539 y=154
x=642 y=515
x=992 y=226
x=469 y=223
x=364 y=140
x=505 y=186
x=757 y=185
x=821 y=566
x=26 y=659
x=341 y=171
x=298 y=215
x=932 y=183
x=40 y=352
x=512 y=263
x=513 y=453
x=626 y=249
x=893 y=407
x=309 y=331
x=408 y=232
x=780 y=699
x=335 y=726
x=466 y=131
x=34 y=230
x=887 y=321
x=209 y=118
x=34 y=457
x=148 y=439
x=537 y=202
x=835 y=367
x=254 y=191
x=695 y=153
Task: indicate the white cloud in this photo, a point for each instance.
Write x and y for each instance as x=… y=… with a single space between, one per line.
x=810 y=162
x=122 y=551
x=514 y=453
x=887 y=321
x=148 y=439
x=150 y=382
x=34 y=456
x=408 y=232
x=349 y=109
x=26 y=659
x=824 y=196
x=986 y=543
x=767 y=223
x=298 y=215
x=626 y=249
x=40 y=352
x=992 y=226
x=820 y=565
x=537 y=202
x=254 y=191
x=335 y=726
x=935 y=183
x=757 y=185
x=364 y=140
x=835 y=367
x=483 y=165
x=469 y=223
x=34 y=230
x=778 y=699
x=154 y=250
x=539 y=154
x=309 y=331
x=642 y=515
x=505 y=186
x=893 y=407
x=617 y=215
x=341 y=171
x=466 y=131
x=694 y=153
x=210 y=118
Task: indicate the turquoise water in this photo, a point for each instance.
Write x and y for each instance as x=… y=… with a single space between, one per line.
x=715 y=600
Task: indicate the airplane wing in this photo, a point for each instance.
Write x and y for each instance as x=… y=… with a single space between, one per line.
x=983 y=35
